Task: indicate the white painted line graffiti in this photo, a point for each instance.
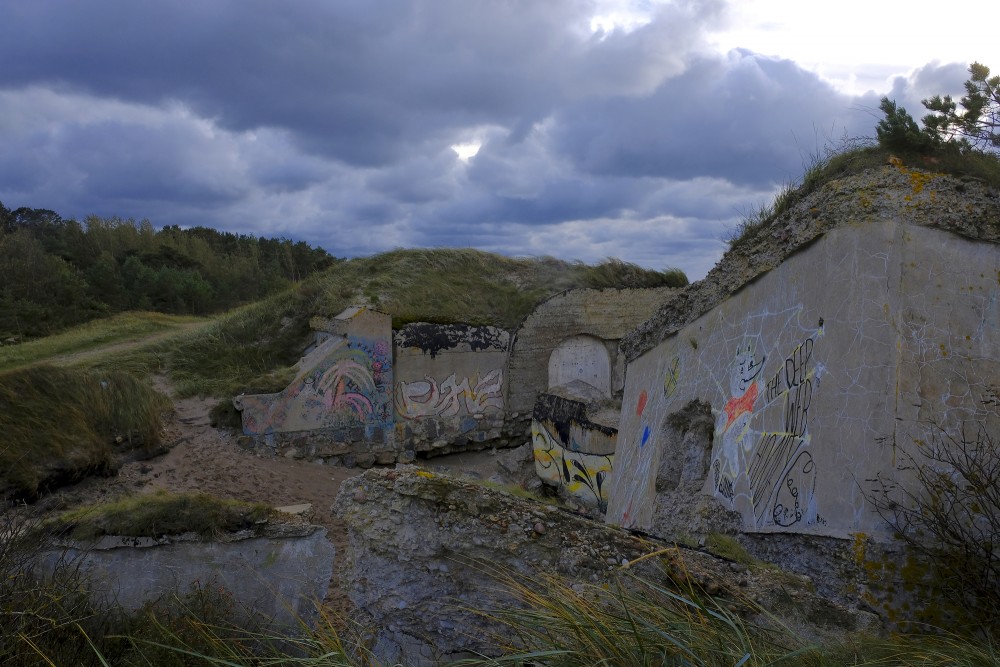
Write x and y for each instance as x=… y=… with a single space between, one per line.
x=427 y=398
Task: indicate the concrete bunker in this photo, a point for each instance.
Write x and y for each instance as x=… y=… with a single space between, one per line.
x=824 y=346
x=566 y=371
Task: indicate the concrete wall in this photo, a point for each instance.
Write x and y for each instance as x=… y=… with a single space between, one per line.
x=574 y=322
x=343 y=385
x=365 y=397
x=817 y=373
x=449 y=384
x=581 y=358
x=278 y=577
x=573 y=446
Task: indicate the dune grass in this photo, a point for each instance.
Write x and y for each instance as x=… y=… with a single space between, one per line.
x=642 y=622
x=60 y=424
x=852 y=157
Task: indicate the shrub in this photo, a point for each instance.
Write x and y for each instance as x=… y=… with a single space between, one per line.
x=950 y=515
x=899 y=132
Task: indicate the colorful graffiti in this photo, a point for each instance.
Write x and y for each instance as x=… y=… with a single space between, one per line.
x=769 y=465
x=345 y=387
x=584 y=476
x=427 y=398
x=733 y=426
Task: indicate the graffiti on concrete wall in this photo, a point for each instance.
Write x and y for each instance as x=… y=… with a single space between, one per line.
x=347 y=387
x=733 y=426
x=428 y=398
x=759 y=372
x=584 y=476
x=763 y=437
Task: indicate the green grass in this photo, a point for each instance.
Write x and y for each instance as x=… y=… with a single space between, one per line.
x=60 y=424
x=162 y=513
x=470 y=286
x=247 y=350
x=241 y=350
x=93 y=335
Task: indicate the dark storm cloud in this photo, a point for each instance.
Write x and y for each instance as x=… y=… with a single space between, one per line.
x=333 y=122
x=748 y=119
x=357 y=80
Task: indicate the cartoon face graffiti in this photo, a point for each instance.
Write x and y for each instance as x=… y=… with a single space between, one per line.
x=733 y=424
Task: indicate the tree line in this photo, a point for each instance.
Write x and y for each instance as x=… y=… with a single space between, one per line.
x=55 y=273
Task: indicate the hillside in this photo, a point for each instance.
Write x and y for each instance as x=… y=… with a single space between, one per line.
x=241 y=351
x=58 y=273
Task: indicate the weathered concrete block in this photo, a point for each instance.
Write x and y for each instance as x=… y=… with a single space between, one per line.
x=426 y=550
x=573 y=336
x=344 y=382
x=833 y=358
x=275 y=576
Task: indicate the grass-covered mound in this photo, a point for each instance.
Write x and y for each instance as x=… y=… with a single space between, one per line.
x=247 y=349
x=60 y=424
x=163 y=513
x=470 y=286
x=84 y=338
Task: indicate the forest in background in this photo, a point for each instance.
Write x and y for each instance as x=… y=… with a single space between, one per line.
x=56 y=273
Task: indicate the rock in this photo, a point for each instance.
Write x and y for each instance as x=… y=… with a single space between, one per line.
x=414 y=519
x=304 y=509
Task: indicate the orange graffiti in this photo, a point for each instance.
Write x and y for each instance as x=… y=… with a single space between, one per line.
x=737 y=406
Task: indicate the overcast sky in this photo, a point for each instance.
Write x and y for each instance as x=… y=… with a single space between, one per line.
x=637 y=129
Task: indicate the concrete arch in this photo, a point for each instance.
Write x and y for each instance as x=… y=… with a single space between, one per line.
x=584 y=358
x=605 y=314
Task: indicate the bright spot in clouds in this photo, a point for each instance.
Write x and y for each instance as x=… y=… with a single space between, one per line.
x=466 y=151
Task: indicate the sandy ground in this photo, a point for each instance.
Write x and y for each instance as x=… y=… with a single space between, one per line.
x=205 y=459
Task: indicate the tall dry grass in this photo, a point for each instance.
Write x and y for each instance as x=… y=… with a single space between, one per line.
x=59 y=424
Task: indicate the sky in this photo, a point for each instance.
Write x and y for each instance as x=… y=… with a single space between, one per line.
x=637 y=129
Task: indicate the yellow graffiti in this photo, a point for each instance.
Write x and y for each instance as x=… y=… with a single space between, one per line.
x=672 y=378
x=584 y=476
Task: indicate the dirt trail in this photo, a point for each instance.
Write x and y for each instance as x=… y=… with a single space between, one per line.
x=123 y=346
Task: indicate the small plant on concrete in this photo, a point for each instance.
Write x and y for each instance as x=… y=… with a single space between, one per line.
x=950 y=515
x=899 y=132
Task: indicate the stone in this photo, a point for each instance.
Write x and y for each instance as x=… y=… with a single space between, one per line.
x=274 y=573
x=475 y=530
